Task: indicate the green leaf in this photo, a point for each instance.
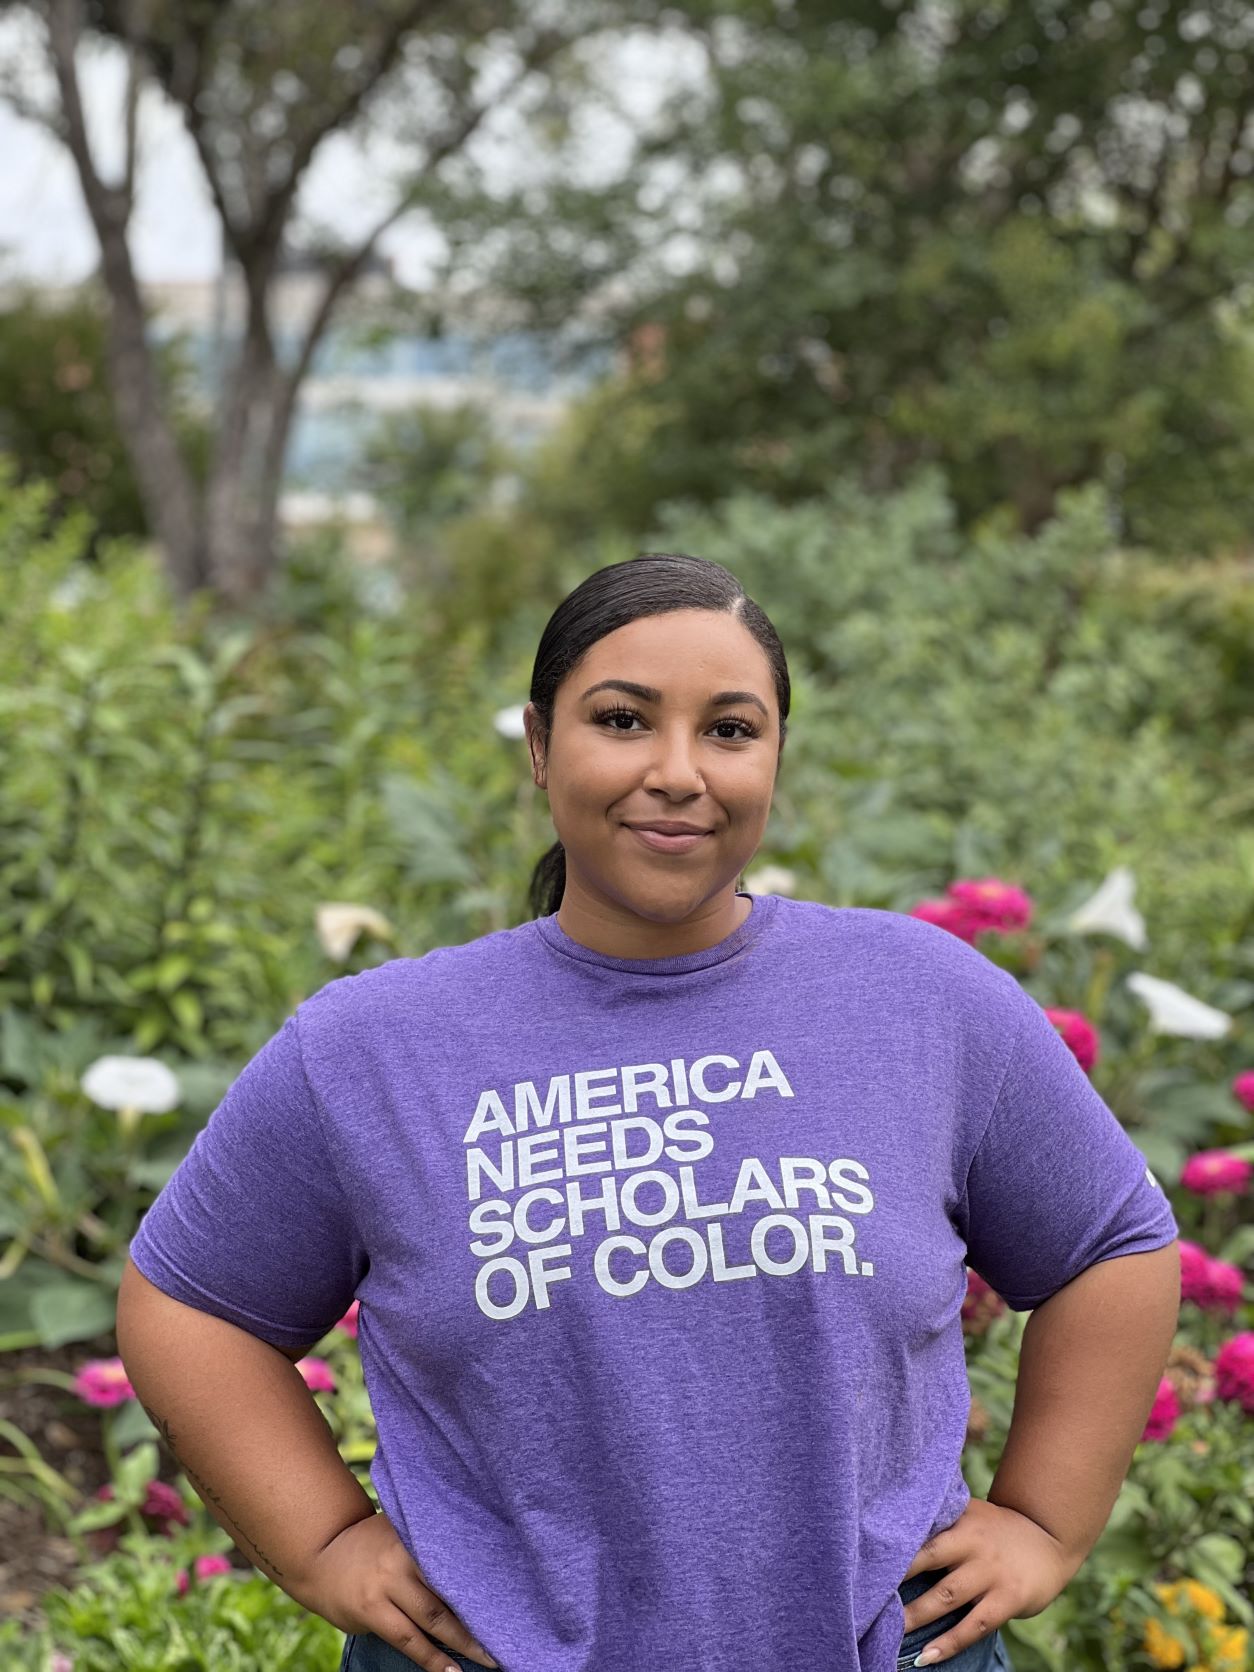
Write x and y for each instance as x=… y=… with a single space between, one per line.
x=67 y=1311
x=1218 y=1554
x=80 y=963
x=188 y=1010
x=1127 y=1549
x=104 y=1512
x=135 y=1471
x=130 y=1424
x=172 y=971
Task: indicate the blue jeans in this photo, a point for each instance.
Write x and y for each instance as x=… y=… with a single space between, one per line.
x=368 y=1653
x=988 y=1655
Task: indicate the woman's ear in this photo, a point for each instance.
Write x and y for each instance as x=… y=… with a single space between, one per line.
x=531 y=723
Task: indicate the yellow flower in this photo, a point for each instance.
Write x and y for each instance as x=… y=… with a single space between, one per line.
x=1161 y=1649
x=1224 y=1648
x=1229 y=1649
x=1198 y=1597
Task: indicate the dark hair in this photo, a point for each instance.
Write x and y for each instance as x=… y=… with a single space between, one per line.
x=651 y=583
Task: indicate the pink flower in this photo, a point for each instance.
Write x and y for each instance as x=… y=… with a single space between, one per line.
x=948 y=914
x=1163 y=1417
x=1227 y=1285
x=206 y=1567
x=1194 y=1269
x=317 y=1374
x=971 y=906
x=1234 y=1370
x=103 y=1382
x=1210 y=1171
x=348 y=1323
x=1243 y=1089
x=61 y=1662
x=1214 y=1285
x=1078 y=1034
x=998 y=905
x=981 y=1305
x=164 y=1505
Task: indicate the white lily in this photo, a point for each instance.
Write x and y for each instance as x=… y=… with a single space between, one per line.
x=509 y=721
x=1110 y=911
x=72 y=590
x=339 y=923
x=1174 y=1011
x=770 y=879
x=140 y=1083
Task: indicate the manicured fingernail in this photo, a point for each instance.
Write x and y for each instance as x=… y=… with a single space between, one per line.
x=480 y=1653
x=927 y=1657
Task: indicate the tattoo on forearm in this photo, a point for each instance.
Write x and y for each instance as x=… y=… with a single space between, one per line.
x=209 y=1495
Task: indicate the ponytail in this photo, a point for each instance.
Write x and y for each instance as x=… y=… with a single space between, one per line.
x=548 y=882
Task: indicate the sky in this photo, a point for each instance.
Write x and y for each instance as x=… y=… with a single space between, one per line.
x=45 y=232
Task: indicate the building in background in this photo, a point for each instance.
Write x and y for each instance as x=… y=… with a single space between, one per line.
x=368 y=364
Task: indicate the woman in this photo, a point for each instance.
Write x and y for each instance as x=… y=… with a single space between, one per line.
x=658 y=1207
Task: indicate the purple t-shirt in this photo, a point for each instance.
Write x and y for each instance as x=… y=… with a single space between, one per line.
x=661 y=1262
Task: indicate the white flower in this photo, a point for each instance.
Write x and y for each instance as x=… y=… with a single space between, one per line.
x=1172 y=1010
x=770 y=879
x=72 y=590
x=1110 y=911
x=339 y=925
x=140 y=1083
x=509 y=721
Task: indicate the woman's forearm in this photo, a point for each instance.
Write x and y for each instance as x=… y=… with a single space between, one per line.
x=236 y=1414
x=1090 y=1362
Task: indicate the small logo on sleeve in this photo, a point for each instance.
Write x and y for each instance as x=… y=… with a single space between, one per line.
x=1152 y=1179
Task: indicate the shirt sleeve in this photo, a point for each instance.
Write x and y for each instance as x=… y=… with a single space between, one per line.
x=1056 y=1184
x=254 y=1225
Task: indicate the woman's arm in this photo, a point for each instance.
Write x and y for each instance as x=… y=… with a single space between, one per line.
x=1090 y=1362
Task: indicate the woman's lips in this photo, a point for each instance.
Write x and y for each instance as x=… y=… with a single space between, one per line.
x=668 y=844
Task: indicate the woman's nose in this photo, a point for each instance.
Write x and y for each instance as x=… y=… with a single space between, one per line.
x=674 y=764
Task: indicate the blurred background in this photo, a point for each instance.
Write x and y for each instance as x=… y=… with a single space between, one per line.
x=338 y=343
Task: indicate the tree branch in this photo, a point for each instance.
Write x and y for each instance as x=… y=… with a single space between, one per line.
x=65 y=31
x=193 y=121
x=1229 y=178
x=336 y=116
x=134 y=87
x=350 y=265
x=51 y=121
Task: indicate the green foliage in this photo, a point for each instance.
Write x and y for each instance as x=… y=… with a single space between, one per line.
x=125 y=1615
x=431 y=463
x=1183 y=1510
x=57 y=418
x=147 y=761
x=1009 y=240
x=187 y=791
x=949 y=689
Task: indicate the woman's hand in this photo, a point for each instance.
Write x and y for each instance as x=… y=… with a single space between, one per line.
x=366 y=1581
x=1010 y=1567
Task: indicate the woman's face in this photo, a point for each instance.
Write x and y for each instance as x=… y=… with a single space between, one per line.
x=667 y=750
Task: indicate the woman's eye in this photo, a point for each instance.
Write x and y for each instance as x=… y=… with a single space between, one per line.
x=611 y=717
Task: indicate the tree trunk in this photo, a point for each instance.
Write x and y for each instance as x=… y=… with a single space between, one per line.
x=165 y=483
x=242 y=493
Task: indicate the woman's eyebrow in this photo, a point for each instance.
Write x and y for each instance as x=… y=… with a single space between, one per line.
x=647 y=693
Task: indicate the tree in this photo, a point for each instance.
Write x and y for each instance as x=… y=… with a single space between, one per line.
x=57 y=421
x=1013 y=238
x=261 y=89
